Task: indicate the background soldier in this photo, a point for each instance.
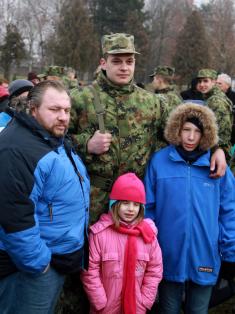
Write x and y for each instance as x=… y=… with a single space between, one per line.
x=217 y=101
x=163 y=84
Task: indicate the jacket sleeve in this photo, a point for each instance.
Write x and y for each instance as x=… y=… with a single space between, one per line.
x=91 y=279
x=227 y=217
x=83 y=122
x=223 y=112
x=152 y=276
x=150 y=188
x=19 y=228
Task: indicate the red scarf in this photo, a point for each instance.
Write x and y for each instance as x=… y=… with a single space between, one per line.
x=144 y=230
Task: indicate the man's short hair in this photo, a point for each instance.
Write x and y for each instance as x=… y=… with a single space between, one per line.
x=35 y=95
x=226 y=78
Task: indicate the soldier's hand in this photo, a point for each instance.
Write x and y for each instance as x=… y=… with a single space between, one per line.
x=218 y=164
x=99 y=143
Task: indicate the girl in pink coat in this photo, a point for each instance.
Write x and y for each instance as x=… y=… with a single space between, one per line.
x=125 y=263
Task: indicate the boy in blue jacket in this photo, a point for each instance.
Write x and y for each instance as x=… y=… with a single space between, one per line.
x=194 y=214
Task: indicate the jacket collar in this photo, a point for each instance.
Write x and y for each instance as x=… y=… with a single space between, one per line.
x=31 y=123
x=202 y=161
x=213 y=91
x=104 y=222
x=112 y=89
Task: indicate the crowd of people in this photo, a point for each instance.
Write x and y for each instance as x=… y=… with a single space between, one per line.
x=126 y=186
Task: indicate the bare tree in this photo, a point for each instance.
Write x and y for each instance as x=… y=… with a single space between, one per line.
x=166 y=20
x=219 y=18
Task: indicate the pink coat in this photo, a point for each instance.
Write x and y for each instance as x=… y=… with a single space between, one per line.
x=103 y=280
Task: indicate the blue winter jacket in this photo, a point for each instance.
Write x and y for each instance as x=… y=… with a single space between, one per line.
x=194 y=214
x=44 y=199
x=5 y=118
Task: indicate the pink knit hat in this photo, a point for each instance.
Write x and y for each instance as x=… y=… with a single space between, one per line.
x=128 y=187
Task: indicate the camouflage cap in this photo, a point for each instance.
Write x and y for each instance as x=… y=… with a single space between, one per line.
x=163 y=70
x=55 y=70
x=210 y=73
x=42 y=75
x=118 y=43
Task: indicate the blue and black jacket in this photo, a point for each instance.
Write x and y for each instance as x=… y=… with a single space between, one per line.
x=44 y=200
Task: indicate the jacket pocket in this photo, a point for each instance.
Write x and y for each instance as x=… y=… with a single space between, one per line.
x=111 y=265
x=141 y=263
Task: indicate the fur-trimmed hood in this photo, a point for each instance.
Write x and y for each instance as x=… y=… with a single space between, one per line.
x=179 y=116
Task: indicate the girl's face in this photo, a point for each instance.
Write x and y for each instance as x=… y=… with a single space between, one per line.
x=190 y=136
x=128 y=211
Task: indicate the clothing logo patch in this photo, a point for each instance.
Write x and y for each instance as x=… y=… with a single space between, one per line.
x=208 y=185
x=205 y=269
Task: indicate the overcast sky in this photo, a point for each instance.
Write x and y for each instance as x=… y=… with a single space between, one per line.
x=199 y=2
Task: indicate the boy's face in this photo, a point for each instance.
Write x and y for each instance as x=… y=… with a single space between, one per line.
x=119 y=68
x=190 y=136
x=128 y=211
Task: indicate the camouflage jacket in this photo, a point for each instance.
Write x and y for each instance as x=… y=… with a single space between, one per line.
x=133 y=116
x=217 y=101
x=171 y=95
x=69 y=84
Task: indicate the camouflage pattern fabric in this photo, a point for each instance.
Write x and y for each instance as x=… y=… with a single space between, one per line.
x=172 y=97
x=118 y=43
x=164 y=70
x=69 y=83
x=217 y=101
x=210 y=73
x=55 y=70
x=134 y=117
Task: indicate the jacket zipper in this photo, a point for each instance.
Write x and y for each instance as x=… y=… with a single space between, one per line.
x=50 y=211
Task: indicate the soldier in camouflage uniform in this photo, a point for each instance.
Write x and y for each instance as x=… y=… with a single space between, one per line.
x=162 y=84
x=133 y=119
x=217 y=101
x=69 y=79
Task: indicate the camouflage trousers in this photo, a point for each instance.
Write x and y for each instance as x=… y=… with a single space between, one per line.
x=99 y=203
x=73 y=299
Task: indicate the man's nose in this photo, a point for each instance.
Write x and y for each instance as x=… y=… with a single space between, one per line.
x=123 y=66
x=63 y=115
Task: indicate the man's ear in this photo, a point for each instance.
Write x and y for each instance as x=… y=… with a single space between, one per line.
x=103 y=63
x=32 y=109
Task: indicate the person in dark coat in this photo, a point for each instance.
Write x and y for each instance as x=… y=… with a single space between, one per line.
x=224 y=82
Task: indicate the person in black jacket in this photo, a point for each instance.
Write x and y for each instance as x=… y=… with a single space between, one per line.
x=192 y=93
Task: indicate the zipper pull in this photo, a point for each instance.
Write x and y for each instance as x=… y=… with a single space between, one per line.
x=50 y=211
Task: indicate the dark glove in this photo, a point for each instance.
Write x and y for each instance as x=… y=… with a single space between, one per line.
x=227 y=270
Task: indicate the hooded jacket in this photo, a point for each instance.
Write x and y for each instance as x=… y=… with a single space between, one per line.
x=44 y=203
x=103 y=280
x=197 y=211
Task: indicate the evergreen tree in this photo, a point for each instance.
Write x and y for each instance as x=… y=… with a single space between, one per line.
x=192 y=49
x=112 y=16
x=12 y=51
x=74 y=43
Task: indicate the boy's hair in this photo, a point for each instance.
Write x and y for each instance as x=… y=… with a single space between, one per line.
x=116 y=218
